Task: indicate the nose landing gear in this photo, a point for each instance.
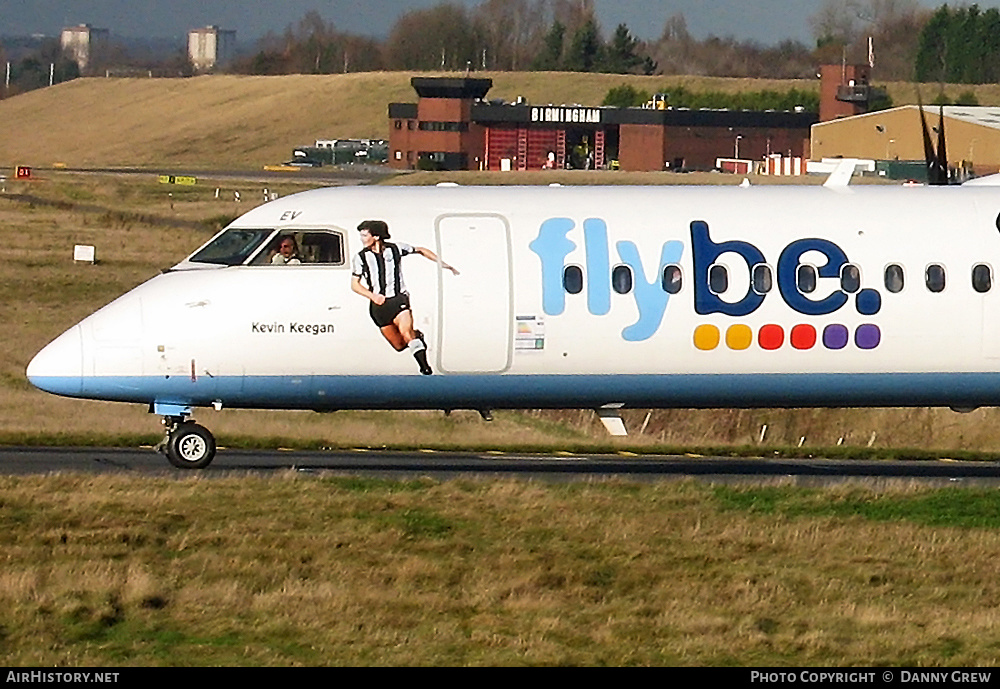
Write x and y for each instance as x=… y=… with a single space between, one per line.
x=187 y=445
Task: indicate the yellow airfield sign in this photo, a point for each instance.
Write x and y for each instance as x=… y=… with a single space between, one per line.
x=178 y=179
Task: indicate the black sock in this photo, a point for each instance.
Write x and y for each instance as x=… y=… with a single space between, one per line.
x=421 y=356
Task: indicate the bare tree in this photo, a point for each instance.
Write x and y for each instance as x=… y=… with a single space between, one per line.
x=313 y=46
x=512 y=32
x=573 y=14
x=315 y=49
x=842 y=29
x=895 y=34
x=673 y=50
x=442 y=37
x=360 y=54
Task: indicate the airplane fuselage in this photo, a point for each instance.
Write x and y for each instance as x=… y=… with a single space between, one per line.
x=570 y=297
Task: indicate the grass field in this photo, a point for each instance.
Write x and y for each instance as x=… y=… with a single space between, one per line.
x=306 y=570
x=243 y=121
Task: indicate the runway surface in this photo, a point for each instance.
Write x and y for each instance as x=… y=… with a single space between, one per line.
x=445 y=465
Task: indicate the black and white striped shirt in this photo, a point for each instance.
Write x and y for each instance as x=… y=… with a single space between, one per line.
x=380 y=272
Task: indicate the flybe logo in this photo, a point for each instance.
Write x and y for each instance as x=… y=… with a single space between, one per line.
x=553 y=245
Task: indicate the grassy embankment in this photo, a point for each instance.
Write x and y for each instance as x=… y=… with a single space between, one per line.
x=300 y=570
x=240 y=121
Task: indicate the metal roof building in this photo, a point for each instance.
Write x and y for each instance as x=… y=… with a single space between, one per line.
x=972 y=135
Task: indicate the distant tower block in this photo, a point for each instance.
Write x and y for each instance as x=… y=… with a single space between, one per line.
x=78 y=43
x=210 y=47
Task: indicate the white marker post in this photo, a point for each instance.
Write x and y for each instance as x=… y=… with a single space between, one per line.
x=84 y=253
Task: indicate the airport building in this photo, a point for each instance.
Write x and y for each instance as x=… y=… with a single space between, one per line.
x=452 y=126
x=894 y=136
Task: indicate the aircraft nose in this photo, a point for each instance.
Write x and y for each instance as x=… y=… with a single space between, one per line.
x=58 y=368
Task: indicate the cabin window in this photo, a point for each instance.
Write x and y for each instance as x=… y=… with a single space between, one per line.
x=231 y=248
x=621 y=279
x=671 y=279
x=982 y=278
x=311 y=247
x=894 y=278
x=718 y=279
x=573 y=279
x=850 y=278
x=760 y=278
x=805 y=278
x=934 y=277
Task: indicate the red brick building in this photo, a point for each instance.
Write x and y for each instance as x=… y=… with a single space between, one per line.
x=844 y=90
x=453 y=127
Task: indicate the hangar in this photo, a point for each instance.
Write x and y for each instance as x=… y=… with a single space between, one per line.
x=973 y=136
x=453 y=126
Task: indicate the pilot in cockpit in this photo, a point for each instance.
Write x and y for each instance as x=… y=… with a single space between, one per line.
x=288 y=252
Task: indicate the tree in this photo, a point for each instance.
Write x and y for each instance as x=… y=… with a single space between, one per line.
x=842 y=29
x=896 y=33
x=512 y=31
x=313 y=46
x=931 y=52
x=676 y=52
x=959 y=46
x=264 y=62
x=989 y=36
x=621 y=54
x=442 y=37
x=967 y=97
x=32 y=70
x=360 y=54
x=962 y=55
x=672 y=50
x=550 y=57
x=586 y=52
x=572 y=14
x=625 y=96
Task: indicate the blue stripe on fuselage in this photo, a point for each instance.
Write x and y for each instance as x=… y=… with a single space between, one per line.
x=544 y=391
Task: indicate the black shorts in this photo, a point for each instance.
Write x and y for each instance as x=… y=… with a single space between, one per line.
x=386 y=313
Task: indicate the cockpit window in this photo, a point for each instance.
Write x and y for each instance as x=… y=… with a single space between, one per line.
x=232 y=247
x=323 y=247
x=308 y=247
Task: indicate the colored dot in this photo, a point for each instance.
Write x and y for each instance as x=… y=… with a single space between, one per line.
x=867 y=336
x=835 y=336
x=739 y=336
x=803 y=336
x=771 y=336
x=868 y=302
x=706 y=337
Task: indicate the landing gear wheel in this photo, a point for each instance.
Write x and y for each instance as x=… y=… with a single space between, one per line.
x=190 y=446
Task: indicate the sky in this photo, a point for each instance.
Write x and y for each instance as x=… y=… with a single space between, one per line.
x=765 y=21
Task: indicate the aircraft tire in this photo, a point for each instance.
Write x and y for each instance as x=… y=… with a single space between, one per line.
x=190 y=446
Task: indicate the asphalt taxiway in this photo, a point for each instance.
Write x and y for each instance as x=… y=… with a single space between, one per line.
x=446 y=465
